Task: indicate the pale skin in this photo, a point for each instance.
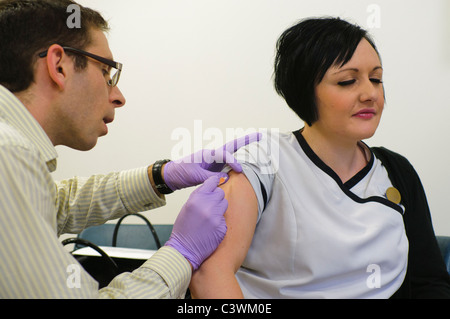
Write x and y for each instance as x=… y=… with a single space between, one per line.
x=72 y=106
x=350 y=102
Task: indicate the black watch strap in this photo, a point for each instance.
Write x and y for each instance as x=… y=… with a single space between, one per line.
x=158 y=179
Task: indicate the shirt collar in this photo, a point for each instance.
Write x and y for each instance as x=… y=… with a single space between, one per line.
x=21 y=119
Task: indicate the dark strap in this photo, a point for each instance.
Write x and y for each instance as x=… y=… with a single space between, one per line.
x=152 y=229
x=85 y=242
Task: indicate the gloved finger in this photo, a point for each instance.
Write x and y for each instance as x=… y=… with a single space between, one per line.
x=228 y=158
x=210 y=184
x=219 y=195
x=236 y=144
x=204 y=174
x=222 y=206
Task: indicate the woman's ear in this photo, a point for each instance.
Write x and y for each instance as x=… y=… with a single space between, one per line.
x=57 y=65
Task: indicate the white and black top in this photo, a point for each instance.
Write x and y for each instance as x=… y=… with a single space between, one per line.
x=317 y=237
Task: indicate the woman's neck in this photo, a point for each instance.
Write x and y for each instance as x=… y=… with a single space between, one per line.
x=345 y=157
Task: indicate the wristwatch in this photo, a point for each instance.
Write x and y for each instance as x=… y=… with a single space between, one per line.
x=158 y=179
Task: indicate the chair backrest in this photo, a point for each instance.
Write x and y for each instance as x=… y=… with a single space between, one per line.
x=444 y=246
x=129 y=235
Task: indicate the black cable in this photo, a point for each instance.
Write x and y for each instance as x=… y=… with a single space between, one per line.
x=116 y=229
x=85 y=242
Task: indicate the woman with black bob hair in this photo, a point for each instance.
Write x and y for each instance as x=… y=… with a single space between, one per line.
x=304 y=54
x=329 y=217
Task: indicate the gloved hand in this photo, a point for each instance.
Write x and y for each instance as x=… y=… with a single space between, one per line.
x=200 y=226
x=196 y=168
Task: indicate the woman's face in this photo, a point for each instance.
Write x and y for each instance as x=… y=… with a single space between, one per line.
x=350 y=99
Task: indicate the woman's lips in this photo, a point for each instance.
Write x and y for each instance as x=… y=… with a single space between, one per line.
x=365 y=114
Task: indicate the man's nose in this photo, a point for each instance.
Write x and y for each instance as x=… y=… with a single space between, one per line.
x=117 y=97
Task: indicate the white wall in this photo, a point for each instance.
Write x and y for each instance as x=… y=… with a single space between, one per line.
x=211 y=60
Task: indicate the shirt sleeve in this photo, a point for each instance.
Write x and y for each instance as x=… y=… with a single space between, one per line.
x=166 y=275
x=259 y=163
x=83 y=202
x=34 y=262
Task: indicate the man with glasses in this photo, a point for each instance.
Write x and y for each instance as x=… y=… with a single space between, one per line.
x=113 y=80
x=58 y=86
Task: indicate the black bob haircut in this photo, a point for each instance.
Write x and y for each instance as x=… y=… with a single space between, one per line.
x=305 y=52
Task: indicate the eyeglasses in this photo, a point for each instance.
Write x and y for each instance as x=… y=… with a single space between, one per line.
x=114 y=79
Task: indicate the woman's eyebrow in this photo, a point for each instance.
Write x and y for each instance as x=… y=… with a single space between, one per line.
x=357 y=70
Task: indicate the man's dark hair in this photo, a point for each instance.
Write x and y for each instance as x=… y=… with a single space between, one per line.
x=305 y=52
x=28 y=27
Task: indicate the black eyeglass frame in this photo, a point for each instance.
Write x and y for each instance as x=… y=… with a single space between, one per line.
x=116 y=65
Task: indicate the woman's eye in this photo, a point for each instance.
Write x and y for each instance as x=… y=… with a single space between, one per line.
x=346 y=83
x=376 y=81
x=350 y=82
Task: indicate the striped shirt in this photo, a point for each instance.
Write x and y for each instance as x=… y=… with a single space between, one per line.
x=35 y=210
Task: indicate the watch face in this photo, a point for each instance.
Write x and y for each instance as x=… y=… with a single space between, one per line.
x=164 y=189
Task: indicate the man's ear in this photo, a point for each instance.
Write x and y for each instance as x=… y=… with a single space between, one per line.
x=57 y=65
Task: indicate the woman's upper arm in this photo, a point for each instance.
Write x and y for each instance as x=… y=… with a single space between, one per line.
x=215 y=278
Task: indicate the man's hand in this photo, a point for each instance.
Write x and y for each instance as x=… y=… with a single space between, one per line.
x=196 y=168
x=200 y=226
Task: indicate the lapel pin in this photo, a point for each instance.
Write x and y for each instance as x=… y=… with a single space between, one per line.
x=393 y=195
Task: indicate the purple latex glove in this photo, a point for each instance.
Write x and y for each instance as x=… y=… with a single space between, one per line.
x=200 y=226
x=196 y=168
